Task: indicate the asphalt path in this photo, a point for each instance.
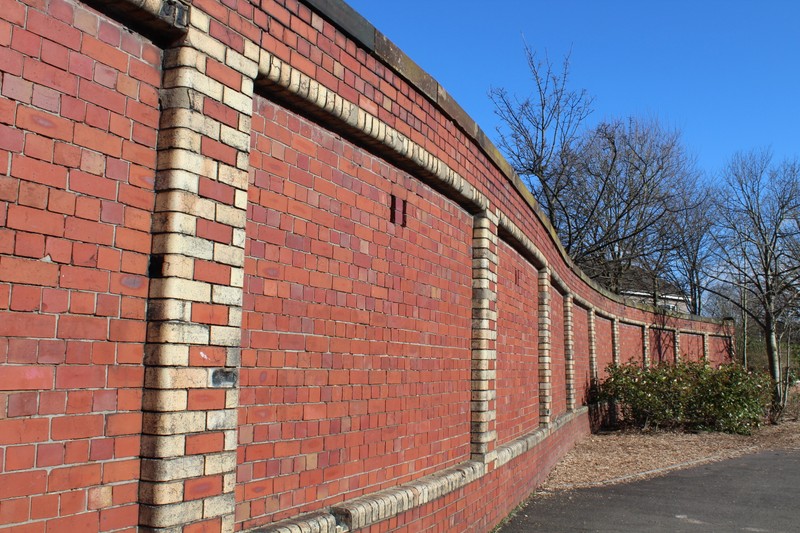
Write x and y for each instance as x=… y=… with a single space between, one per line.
x=753 y=493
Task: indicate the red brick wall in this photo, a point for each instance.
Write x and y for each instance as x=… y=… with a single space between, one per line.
x=355 y=372
x=359 y=350
x=580 y=325
x=485 y=503
x=517 y=347
x=78 y=125
x=604 y=345
x=691 y=347
x=631 y=342
x=719 y=350
x=662 y=345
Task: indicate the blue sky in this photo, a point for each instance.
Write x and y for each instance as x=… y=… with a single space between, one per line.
x=726 y=73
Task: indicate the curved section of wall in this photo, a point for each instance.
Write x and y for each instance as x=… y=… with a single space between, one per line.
x=357 y=317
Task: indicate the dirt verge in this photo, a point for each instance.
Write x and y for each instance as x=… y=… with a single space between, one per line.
x=616 y=457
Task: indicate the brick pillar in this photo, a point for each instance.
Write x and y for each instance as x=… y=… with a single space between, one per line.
x=646 y=346
x=190 y=400
x=545 y=358
x=615 y=347
x=569 y=351
x=484 y=338
x=592 y=346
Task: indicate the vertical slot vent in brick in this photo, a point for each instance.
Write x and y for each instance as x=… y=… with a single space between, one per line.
x=398 y=211
x=517 y=276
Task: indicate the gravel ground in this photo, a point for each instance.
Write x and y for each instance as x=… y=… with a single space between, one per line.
x=617 y=457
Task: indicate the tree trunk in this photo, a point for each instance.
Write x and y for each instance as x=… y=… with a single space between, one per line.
x=774 y=369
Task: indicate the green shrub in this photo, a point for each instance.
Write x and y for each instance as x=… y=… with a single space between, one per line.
x=689 y=396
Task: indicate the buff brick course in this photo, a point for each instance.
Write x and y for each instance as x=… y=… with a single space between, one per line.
x=258 y=270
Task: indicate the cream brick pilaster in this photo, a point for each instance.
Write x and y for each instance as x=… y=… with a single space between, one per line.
x=483 y=433
x=615 y=347
x=194 y=322
x=646 y=346
x=545 y=357
x=569 y=351
x=593 y=375
x=706 y=347
x=677 y=334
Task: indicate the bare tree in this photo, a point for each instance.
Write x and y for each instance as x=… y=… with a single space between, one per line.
x=757 y=236
x=692 y=252
x=610 y=192
x=541 y=130
x=624 y=199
